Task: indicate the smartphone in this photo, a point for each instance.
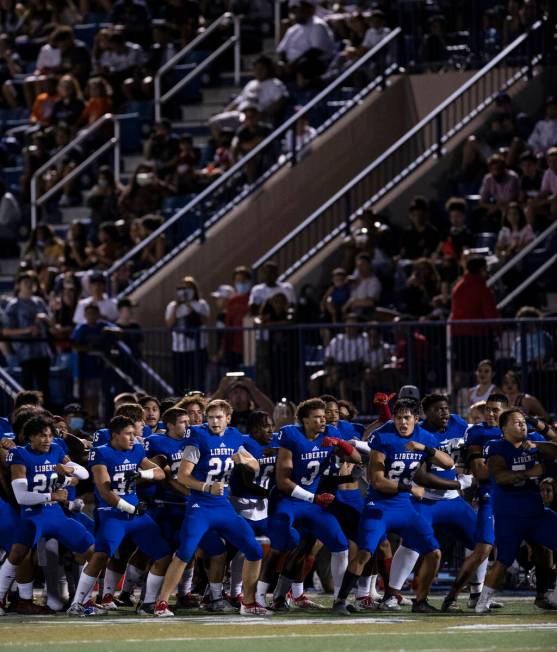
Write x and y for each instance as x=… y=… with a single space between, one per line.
x=235 y=374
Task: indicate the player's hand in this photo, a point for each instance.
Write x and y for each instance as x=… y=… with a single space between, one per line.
x=381 y=398
x=217 y=489
x=240 y=458
x=7 y=443
x=529 y=445
x=330 y=441
x=76 y=505
x=63 y=469
x=417 y=492
x=131 y=476
x=465 y=481
x=533 y=422
x=59 y=496
x=536 y=471
x=414 y=446
x=324 y=500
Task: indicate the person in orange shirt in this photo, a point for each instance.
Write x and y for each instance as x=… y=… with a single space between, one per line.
x=99 y=93
x=44 y=102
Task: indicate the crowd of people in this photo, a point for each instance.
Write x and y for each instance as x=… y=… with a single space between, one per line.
x=170 y=498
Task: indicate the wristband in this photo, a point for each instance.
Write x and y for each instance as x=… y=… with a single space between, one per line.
x=403 y=488
x=147 y=474
x=302 y=494
x=429 y=452
x=204 y=488
x=124 y=506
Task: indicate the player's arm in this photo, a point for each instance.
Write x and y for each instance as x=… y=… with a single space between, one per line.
x=434 y=455
x=426 y=479
x=477 y=464
x=28 y=498
x=283 y=472
x=244 y=458
x=186 y=478
x=542 y=428
x=504 y=476
x=343 y=449
x=148 y=470
x=72 y=470
x=378 y=480
x=548 y=450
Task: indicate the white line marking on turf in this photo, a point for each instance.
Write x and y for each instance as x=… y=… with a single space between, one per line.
x=505 y=626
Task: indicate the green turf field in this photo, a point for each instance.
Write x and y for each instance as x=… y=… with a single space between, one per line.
x=517 y=627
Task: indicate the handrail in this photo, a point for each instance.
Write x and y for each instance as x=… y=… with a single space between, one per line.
x=144 y=368
x=521 y=254
x=173 y=61
x=8 y=384
x=527 y=282
x=276 y=135
x=434 y=117
x=82 y=136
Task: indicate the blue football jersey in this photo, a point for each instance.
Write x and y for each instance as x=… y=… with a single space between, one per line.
x=6 y=429
x=349 y=430
x=400 y=464
x=172 y=450
x=214 y=457
x=309 y=458
x=40 y=469
x=117 y=464
x=102 y=436
x=522 y=498
x=265 y=477
x=478 y=435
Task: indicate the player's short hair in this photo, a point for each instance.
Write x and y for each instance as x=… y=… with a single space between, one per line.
x=506 y=415
x=352 y=411
x=329 y=398
x=256 y=420
x=218 y=404
x=432 y=399
x=167 y=402
x=148 y=399
x=124 y=397
x=21 y=416
x=28 y=397
x=36 y=425
x=486 y=361
x=406 y=404
x=118 y=423
x=132 y=411
x=306 y=407
x=171 y=415
x=498 y=398
x=195 y=399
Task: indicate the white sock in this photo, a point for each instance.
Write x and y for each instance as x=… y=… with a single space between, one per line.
x=373 y=584
x=49 y=560
x=485 y=597
x=25 y=590
x=185 y=583
x=152 y=587
x=297 y=590
x=236 y=567
x=404 y=561
x=477 y=580
x=111 y=579
x=134 y=576
x=283 y=586
x=216 y=590
x=339 y=564
x=7 y=576
x=84 y=588
x=261 y=592
x=364 y=586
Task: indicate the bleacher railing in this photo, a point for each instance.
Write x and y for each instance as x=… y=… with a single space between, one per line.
x=37 y=200
x=424 y=141
x=9 y=387
x=192 y=222
x=233 y=41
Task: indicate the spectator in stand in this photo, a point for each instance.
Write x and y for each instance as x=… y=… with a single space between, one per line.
x=10 y=67
x=485 y=375
x=27 y=320
x=186 y=316
x=515 y=232
x=75 y=58
x=420 y=237
x=107 y=307
x=308 y=46
x=10 y=220
x=145 y=193
x=548 y=190
x=153 y=252
x=135 y=17
x=539 y=343
x=67 y=110
x=336 y=296
x=44 y=246
x=75 y=247
x=269 y=287
x=250 y=133
x=375 y=33
x=459 y=237
x=132 y=333
x=305 y=133
x=109 y=249
x=501 y=129
x=186 y=177
x=500 y=187
x=63 y=307
x=237 y=308
x=380 y=353
x=98 y=103
x=162 y=148
x=530 y=175
x=530 y=404
x=245 y=397
x=472 y=299
x=433 y=50
x=103 y=199
x=43 y=104
x=119 y=62
x=421 y=287
x=544 y=134
x=366 y=289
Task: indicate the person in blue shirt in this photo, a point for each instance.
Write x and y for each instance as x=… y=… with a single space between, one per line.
x=514 y=469
x=115 y=468
x=152 y=413
x=209 y=457
x=133 y=411
x=395 y=458
x=40 y=473
x=305 y=453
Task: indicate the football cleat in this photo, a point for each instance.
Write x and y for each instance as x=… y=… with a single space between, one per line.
x=145 y=609
x=342 y=608
x=235 y=601
x=375 y=595
x=450 y=605
x=389 y=604
x=473 y=600
x=2 y=608
x=77 y=609
x=188 y=601
x=124 y=600
x=108 y=602
x=162 y=610
x=253 y=609
x=403 y=601
x=303 y=602
x=29 y=608
x=482 y=607
x=545 y=603
x=366 y=603
x=423 y=607
x=496 y=605
x=220 y=606
x=280 y=604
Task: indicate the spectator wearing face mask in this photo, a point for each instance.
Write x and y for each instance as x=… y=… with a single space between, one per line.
x=74 y=416
x=236 y=310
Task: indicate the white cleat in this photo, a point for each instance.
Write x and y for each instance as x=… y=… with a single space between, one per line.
x=162 y=610
x=253 y=609
x=390 y=604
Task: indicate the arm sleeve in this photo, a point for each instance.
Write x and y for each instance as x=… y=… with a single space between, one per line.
x=79 y=472
x=191 y=454
x=26 y=497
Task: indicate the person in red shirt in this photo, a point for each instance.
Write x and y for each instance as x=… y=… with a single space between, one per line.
x=472 y=299
x=236 y=309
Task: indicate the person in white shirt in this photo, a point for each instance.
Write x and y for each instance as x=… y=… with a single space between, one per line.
x=544 y=134
x=270 y=286
x=310 y=37
x=346 y=356
x=376 y=32
x=107 y=306
x=366 y=288
x=186 y=315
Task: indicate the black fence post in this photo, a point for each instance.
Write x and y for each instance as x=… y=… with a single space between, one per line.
x=523 y=357
x=301 y=355
x=347 y=212
x=410 y=355
x=294 y=146
x=439 y=134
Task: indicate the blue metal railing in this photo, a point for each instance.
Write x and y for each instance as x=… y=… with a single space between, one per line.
x=419 y=145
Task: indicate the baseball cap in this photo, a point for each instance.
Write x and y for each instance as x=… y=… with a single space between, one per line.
x=223 y=292
x=409 y=391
